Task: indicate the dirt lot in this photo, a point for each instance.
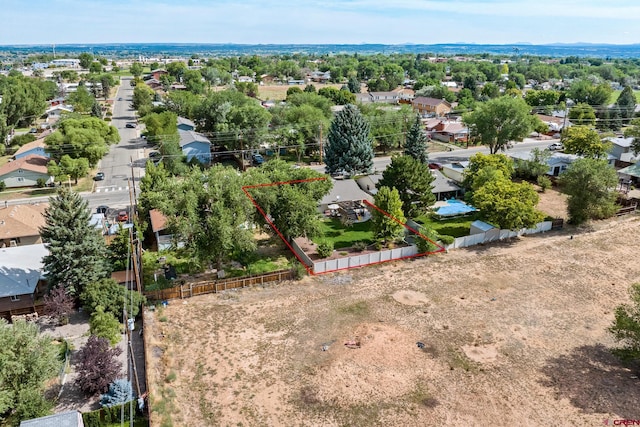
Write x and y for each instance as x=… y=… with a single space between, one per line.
x=514 y=334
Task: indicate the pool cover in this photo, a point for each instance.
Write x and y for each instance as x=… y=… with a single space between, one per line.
x=455 y=207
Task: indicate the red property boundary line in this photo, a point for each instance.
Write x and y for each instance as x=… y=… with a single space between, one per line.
x=366 y=202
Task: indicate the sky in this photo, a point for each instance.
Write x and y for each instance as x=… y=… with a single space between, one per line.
x=319 y=22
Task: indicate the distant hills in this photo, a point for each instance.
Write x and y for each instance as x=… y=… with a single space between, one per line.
x=225 y=49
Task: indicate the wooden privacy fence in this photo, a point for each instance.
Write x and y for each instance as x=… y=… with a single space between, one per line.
x=627 y=209
x=188 y=290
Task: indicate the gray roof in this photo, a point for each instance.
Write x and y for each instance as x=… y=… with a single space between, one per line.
x=554 y=159
x=20 y=269
x=188 y=136
x=368 y=183
x=622 y=142
x=185 y=121
x=345 y=190
x=442 y=184
x=64 y=419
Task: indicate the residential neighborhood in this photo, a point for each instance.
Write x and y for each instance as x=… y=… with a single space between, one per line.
x=354 y=239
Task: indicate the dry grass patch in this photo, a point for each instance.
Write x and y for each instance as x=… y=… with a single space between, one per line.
x=510 y=332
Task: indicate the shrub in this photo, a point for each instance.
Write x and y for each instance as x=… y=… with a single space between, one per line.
x=325 y=248
x=104 y=325
x=3 y=186
x=3 y=149
x=59 y=304
x=108 y=294
x=40 y=182
x=446 y=239
x=359 y=246
x=120 y=391
x=544 y=182
x=98 y=365
x=299 y=271
x=425 y=245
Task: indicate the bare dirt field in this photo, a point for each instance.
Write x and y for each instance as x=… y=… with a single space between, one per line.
x=513 y=333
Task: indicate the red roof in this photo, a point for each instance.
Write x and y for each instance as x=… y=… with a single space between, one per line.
x=158 y=220
x=32 y=162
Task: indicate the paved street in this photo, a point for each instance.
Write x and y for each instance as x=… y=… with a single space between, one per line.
x=117 y=164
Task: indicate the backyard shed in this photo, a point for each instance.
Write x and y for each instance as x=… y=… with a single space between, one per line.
x=478 y=227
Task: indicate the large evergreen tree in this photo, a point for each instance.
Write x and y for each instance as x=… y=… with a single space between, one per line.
x=626 y=103
x=416 y=145
x=349 y=146
x=413 y=180
x=76 y=250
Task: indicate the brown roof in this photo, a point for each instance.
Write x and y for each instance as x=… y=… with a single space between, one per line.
x=551 y=119
x=30 y=146
x=32 y=162
x=121 y=276
x=158 y=220
x=423 y=100
x=21 y=220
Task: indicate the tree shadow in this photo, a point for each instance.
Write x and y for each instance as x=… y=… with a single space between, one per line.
x=595 y=381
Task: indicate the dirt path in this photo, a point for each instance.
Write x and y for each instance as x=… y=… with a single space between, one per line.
x=511 y=334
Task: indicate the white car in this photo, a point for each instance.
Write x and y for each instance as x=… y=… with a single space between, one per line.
x=556 y=146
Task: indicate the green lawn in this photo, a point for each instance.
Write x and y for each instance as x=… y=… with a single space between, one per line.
x=456 y=227
x=616 y=93
x=343 y=237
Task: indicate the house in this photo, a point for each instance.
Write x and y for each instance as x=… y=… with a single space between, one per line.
x=21 y=278
x=455 y=170
x=344 y=190
x=621 y=150
x=558 y=162
x=56 y=111
x=63 y=419
x=36 y=147
x=154 y=84
x=378 y=97
x=431 y=106
x=25 y=172
x=555 y=124
x=245 y=79
x=185 y=124
x=177 y=86
x=159 y=225
x=20 y=224
x=630 y=174
x=443 y=187
x=157 y=73
x=195 y=145
x=450 y=131
x=320 y=76
x=66 y=62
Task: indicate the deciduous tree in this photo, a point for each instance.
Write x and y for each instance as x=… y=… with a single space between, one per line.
x=105 y=325
x=98 y=366
x=590 y=184
x=136 y=69
x=626 y=326
x=112 y=297
x=28 y=360
x=498 y=121
x=349 y=146
x=59 y=304
x=479 y=162
x=507 y=204
x=583 y=141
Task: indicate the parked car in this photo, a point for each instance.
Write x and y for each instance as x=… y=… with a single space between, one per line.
x=130 y=125
x=102 y=209
x=123 y=216
x=99 y=176
x=257 y=159
x=435 y=165
x=556 y=146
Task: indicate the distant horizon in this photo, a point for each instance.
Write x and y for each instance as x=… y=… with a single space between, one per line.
x=320 y=22
x=316 y=44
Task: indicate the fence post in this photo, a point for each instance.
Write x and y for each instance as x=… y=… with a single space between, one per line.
x=190 y=289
